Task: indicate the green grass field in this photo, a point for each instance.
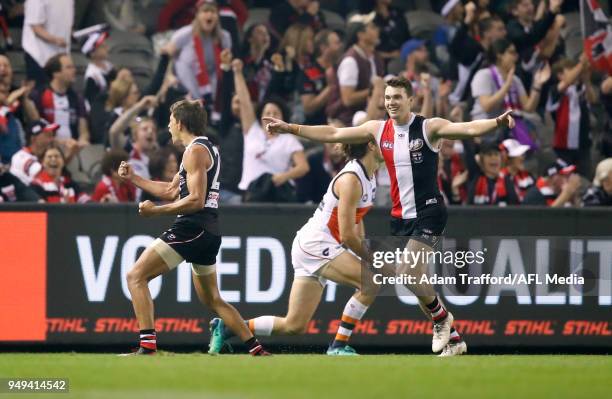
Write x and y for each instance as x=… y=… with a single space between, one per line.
x=312 y=376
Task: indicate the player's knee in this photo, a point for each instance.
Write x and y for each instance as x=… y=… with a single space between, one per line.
x=134 y=276
x=295 y=328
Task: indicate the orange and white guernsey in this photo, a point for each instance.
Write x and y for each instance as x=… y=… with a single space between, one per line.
x=325 y=218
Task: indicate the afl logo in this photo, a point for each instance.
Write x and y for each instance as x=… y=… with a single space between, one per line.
x=415 y=145
x=387 y=145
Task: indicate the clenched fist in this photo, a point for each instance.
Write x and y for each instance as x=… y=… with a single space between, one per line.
x=125 y=171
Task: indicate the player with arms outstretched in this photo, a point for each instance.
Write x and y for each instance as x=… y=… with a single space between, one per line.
x=319 y=253
x=409 y=144
x=194 y=236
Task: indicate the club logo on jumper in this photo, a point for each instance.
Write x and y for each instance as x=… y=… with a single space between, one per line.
x=171 y=237
x=417 y=157
x=326 y=252
x=415 y=145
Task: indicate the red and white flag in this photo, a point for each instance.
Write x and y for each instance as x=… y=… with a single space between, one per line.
x=597 y=33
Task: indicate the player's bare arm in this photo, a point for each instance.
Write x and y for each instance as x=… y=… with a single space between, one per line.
x=166 y=191
x=326 y=133
x=348 y=189
x=438 y=128
x=196 y=161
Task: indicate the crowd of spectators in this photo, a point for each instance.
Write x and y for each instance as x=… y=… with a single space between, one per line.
x=479 y=59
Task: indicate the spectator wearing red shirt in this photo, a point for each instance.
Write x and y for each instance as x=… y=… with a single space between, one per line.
x=312 y=82
x=59 y=103
x=486 y=184
x=111 y=188
x=558 y=188
x=513 y=157
x=569 y=101
x=452 y=174
x=52 y=184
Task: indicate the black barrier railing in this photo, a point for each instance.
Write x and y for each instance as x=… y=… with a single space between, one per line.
x=64 y=269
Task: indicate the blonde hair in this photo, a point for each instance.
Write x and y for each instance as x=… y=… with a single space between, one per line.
x=119 y=90
x=604 y=168
x=296 y=37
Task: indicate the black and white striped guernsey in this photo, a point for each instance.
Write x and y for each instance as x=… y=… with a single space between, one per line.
x=208 y=216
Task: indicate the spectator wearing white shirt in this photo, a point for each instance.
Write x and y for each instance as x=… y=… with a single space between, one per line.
x=271 y=161
x=47 y=27
x=25 y=164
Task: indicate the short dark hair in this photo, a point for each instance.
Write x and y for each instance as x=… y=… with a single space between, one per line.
x=489 y=148
x=279 y=102
x=513 y=4
x=563 y=63
x=497 y=47
x=486 y=23
x=352 y=32
x=159 y=159
x=54 y=65
x=112 y=160
x=401 y=82
x=190 y=114
x=356 y=151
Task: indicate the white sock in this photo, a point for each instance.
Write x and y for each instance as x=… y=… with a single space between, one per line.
x=262 y=325
x=355 y=309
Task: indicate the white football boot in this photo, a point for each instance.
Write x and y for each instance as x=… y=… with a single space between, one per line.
x=454 y=349
x=441 y=333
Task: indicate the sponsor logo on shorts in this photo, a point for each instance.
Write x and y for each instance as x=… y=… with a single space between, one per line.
x=431 y=201
x=171 y=237
x=326 y=252
x=415 y=145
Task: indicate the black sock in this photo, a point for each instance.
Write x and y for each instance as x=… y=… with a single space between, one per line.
x=254 y=346
x=433 y=305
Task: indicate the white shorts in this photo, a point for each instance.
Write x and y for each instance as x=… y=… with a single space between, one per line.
x=311 y=250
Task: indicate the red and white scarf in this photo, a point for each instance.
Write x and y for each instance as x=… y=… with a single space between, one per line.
x=204 y=85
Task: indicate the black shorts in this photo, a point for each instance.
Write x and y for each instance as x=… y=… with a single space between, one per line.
x=192 y=242
x=427 y=228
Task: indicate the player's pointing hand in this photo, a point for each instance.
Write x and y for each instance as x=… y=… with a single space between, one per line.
x=506 y=120
x=275 y=126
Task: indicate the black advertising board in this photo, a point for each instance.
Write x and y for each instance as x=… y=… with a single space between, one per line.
x=82 y=296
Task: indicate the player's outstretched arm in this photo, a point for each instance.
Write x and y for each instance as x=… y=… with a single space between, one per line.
x=438 y=128
x=162 y=190
x=348 y=189
x=325 y=133
x=195 y=162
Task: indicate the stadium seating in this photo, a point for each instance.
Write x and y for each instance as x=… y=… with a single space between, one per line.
x=334 y=21
x=422 y=24
x=257 y=16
